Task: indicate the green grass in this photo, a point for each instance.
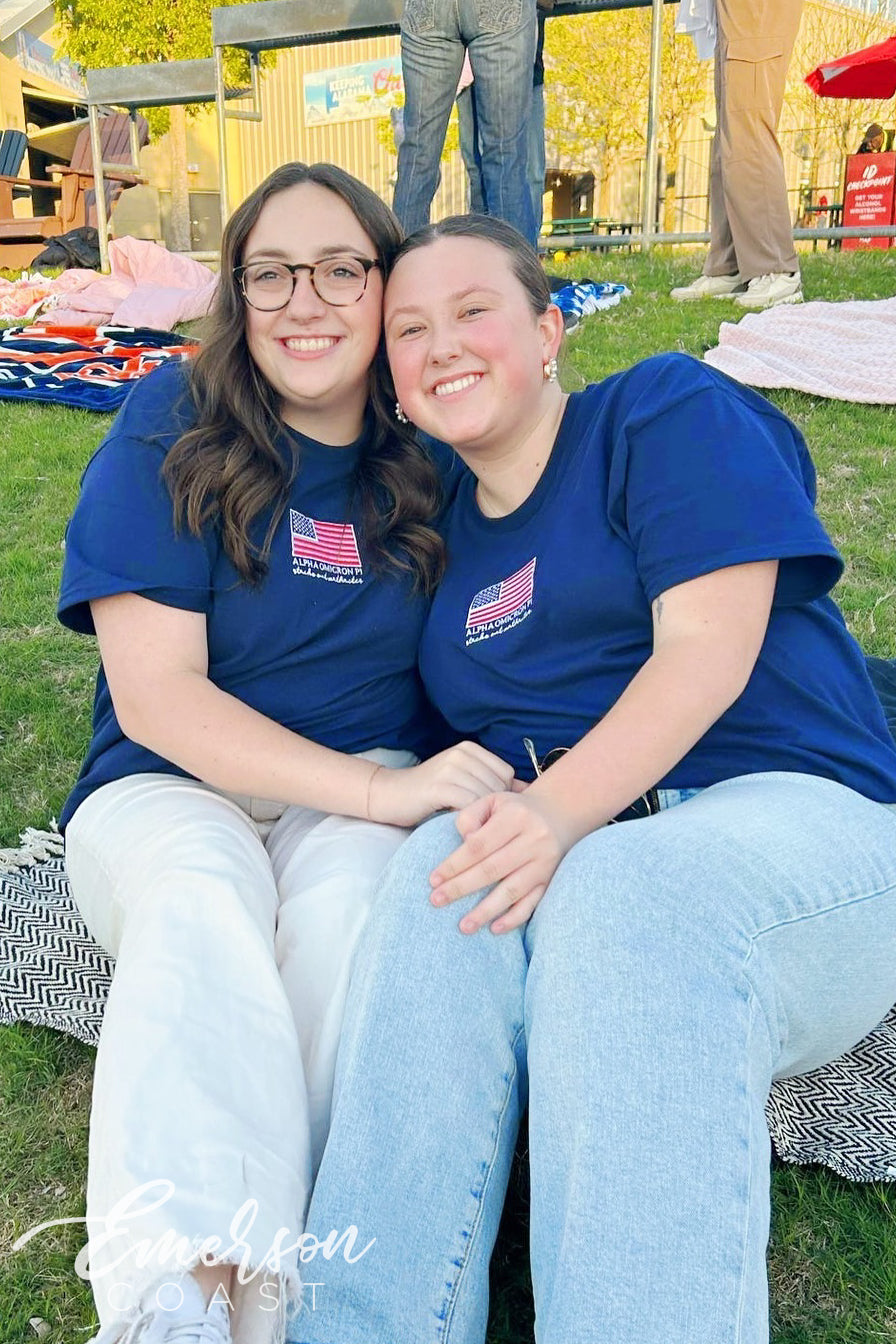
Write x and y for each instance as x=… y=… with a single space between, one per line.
x=46 y=673
x=833 y=1254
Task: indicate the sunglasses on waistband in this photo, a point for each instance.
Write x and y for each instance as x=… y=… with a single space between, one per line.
x=646 y=806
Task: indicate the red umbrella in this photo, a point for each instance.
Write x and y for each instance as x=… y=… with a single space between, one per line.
x=869 y=73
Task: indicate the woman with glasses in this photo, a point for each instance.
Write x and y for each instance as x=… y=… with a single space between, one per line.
x=253 y=549
x=636 y=573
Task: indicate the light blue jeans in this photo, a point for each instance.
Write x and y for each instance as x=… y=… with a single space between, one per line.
x=535 y=155
x=500 y=37
x=468 y=133
x=675 y=966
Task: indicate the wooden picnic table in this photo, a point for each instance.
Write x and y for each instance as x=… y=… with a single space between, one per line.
x=582 y=233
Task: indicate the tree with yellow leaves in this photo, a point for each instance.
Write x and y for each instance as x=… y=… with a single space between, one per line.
x=596 y=89
x=832 y=127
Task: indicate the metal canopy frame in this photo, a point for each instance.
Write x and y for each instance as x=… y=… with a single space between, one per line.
x=270 y=25
x=168 y=84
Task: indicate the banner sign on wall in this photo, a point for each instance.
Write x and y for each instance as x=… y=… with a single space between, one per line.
x=352 y=92
x=39 y=58
x=869 y=196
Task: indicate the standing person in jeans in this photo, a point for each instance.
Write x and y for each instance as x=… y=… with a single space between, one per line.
x=500 y=38
x=751 y=254
x=695 y=894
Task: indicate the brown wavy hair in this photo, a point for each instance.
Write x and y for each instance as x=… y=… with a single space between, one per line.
x=228 y=469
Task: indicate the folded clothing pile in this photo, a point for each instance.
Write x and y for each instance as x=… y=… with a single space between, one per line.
x=78 y=247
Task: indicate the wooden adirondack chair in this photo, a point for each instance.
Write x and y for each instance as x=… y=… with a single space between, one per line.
x=22 y=239
x=78 y=204
x=12 y=151
x=15 y=253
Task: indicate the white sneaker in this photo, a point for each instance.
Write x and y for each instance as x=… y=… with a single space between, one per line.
x=710 y=287
x=190 y=1323
x=764 y=291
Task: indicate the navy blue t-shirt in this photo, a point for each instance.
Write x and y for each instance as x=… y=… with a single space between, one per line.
x=658 y=475
x=322 y=645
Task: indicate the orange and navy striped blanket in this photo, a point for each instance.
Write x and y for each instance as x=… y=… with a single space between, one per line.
x=89 y=367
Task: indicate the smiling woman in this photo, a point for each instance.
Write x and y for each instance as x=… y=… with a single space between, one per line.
x=316 y=347
x=462 y=355
x=698 y=895
x=253 y=549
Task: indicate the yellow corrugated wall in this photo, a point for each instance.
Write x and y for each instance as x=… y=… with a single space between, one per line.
x=281 y=136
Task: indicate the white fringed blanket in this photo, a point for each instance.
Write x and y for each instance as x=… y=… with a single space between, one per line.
x=846 y=351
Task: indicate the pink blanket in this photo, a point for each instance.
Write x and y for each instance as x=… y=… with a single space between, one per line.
x=845 y=351
x=148 y=287
x=25 y=297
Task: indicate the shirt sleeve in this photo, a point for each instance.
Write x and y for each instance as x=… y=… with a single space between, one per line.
x=122 y=536
x=705 y=474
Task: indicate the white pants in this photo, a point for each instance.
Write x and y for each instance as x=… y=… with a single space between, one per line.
x=233 y=922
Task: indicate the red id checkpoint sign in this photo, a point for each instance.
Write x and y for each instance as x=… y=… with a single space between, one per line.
x=869 y=196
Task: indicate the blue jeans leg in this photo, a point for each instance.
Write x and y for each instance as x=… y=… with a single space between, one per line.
x=468 y=134
x=500 y=36
x=502 y=61
x=429 y=1091
x=535 y=155
x=431 y=64
x=678 y=964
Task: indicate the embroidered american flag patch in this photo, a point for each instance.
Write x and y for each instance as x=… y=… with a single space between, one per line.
x=333 y=543
x=501 y=605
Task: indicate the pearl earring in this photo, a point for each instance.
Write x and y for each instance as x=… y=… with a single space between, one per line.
x=399 y=414
x=550 y=370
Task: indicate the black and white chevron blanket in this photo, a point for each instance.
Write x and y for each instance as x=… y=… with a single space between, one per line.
x=52 y=973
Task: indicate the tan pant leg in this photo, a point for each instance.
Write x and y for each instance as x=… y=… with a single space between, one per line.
x=721 y=258
x=751 y=223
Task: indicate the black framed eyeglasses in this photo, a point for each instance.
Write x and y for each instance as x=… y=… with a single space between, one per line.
x=269 y=285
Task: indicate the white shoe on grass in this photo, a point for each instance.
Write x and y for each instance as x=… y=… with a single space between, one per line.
x=710 y=287
x=764 y=291
x=189 y=1322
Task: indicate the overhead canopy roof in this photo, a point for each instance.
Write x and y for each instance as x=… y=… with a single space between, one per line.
x=30 y=90
x=14 y=14
x=267 y=24
x=158 y=85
